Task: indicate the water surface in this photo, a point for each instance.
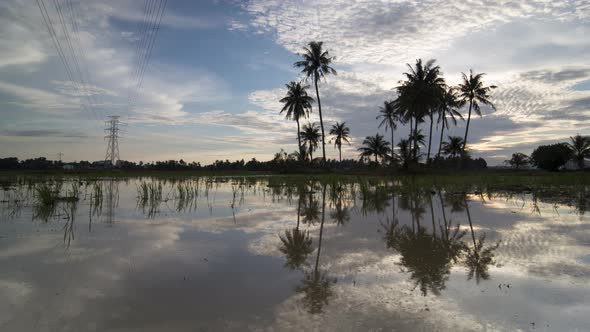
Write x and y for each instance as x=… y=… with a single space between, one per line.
x=279 y=253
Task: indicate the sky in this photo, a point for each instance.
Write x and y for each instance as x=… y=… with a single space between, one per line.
x=218 y=68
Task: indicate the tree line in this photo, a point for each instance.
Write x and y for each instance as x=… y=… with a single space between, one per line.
x=554 y=156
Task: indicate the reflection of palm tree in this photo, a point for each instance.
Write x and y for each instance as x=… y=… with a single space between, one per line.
x=316 y=284
x=478 y=258
x=340 y=215
x=296 y=244
x=425 y=257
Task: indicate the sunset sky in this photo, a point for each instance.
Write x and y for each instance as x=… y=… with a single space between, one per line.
x=218 y=69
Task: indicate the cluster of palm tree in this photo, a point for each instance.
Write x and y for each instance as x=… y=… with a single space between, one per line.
x=298 y=104
x=579 y=147
x=421 y=97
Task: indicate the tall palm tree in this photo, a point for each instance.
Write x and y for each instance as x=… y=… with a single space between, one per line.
x=389 y=115
x=375 y=146
x=341 y=133
x=579 y=148
x=473 y=91
x=454 y=147
x=316 y=65
x=448 y=108
x=420 y=93
x=311 y=137
x=297 y=104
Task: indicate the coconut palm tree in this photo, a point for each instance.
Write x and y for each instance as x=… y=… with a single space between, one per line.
x=341 y=133
x=311 y=136
x=473 y=91
x=316 y=65
x=580 y=148
x=405 y=153
x=297 y=105
x=389 y=115
x=454 y=147
x=448 y=108
x=375 y=146
x=420 y=93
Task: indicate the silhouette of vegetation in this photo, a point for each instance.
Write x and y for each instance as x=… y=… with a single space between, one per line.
x=297 y=105
x=316 y=65
x=551 y=157
x=311 y=137
x=389 y=116
x=340 y=133
x=473 y=91
x=518 y=160
x=579 y=147
x=448 y=108
x=375 y=146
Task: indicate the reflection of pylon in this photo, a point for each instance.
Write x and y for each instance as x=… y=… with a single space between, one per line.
x=112 y=132
x=112 y=196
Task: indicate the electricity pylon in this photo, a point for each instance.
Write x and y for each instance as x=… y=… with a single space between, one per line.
x=112 y=132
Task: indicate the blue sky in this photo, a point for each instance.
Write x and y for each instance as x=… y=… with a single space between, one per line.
x=218 y=69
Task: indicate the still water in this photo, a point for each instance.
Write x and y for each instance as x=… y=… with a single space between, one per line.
x=278 y=253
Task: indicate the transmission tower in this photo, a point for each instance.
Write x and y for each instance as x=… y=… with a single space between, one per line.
x=112 y=134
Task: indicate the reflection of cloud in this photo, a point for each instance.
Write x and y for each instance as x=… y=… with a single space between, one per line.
x=13 y=294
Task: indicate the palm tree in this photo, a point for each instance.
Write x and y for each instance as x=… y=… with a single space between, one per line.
x=449 y=105
x=580 y=148
x=316 y=64
x=311 y=137
x=405 y=153
x=375 y=146
x=341 y=133
x=473 y=91
x=454 y=147
x=389 y=115
x=420 y=93
x=297 y=104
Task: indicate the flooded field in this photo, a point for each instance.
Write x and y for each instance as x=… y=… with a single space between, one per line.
x=288 y=253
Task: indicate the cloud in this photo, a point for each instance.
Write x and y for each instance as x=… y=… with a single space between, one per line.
x=43 y=133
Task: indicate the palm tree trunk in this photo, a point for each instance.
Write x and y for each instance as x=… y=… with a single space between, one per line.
x=442 y=206
x=392 y=146
x=467 y=127
x=470 y=224
x=340 y=152
x=299 y=141
x=429 y=139
x=410 y=138
x=432 y=216
x=317 y=260
x=298 y=210
x=310 y=153
x=442 y=130
x=317 y=92
x=416 y=140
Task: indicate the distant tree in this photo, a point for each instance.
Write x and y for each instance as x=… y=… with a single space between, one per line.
x=341 y=133
x=448 y=108
x=297 y=105
x=518 y=160
x=405 y=152
x=311 y=136
x=579 y=148
x=473 y=91
x=551 y=157
x=389 y=115
x=454 y=147
x=375 y=146
x=316 y=65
